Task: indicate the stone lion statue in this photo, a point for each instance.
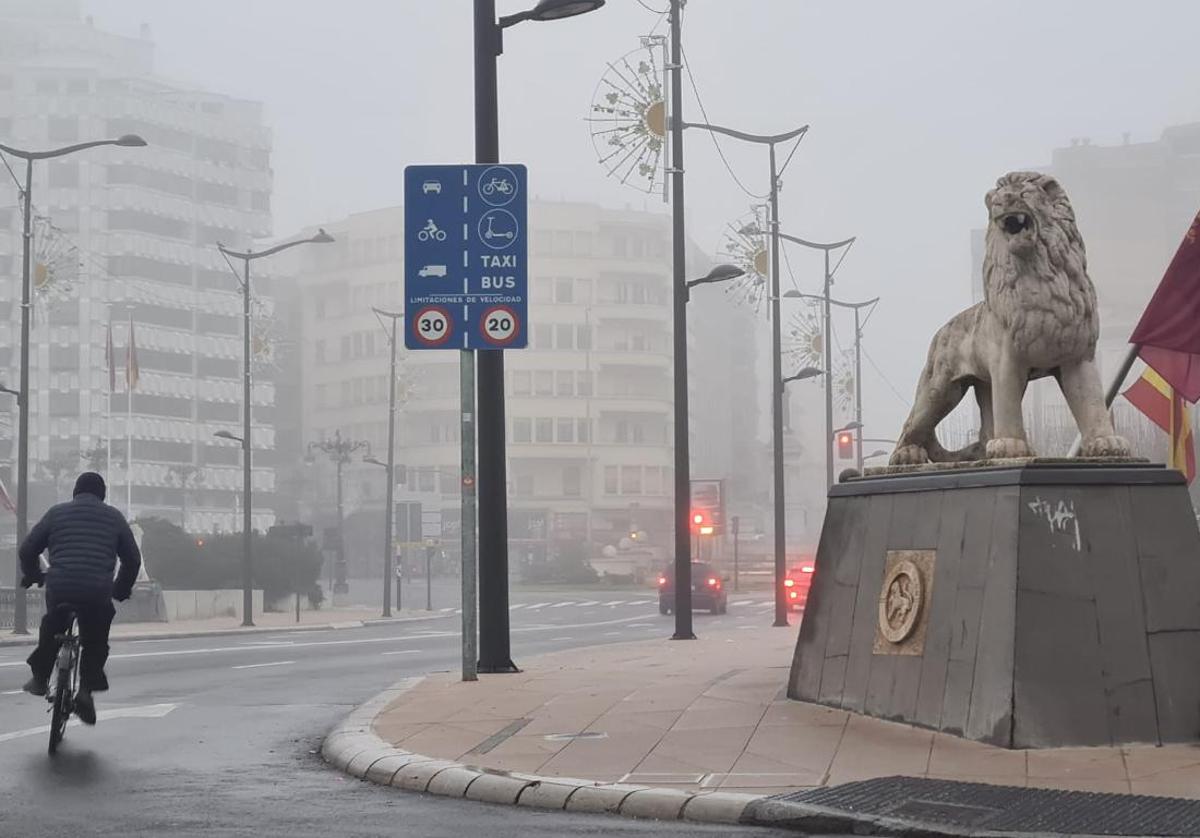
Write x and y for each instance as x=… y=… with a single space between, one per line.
x=1038 y=318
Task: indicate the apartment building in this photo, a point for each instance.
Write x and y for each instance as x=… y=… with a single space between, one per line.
x=126 y=234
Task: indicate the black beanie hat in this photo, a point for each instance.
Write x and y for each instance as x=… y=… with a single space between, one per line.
x=91 y=483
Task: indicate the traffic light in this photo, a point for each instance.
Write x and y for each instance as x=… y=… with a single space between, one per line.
x=845 y=445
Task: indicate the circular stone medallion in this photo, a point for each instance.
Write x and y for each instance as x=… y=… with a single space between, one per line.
x=900 y=602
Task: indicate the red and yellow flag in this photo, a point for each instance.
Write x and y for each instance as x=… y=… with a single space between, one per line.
x=1166 y=407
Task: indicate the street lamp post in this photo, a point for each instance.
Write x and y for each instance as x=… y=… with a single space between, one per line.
x=826 y=347
x=770 y=141
x=339 y=450
x=20 y=620
x=494 y=649
x=247 y=256
x=390 y=465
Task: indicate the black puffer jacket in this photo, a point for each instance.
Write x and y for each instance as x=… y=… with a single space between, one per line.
x=84 y=536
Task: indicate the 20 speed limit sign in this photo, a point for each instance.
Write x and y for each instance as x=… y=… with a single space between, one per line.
x=500 y=325
x=432 y=326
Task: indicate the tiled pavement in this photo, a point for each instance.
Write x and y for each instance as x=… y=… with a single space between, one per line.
x=711 y=714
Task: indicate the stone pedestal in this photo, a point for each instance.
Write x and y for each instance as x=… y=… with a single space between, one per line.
x=1026 y=606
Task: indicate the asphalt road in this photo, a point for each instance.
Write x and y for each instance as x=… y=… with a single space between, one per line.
x=220 y=736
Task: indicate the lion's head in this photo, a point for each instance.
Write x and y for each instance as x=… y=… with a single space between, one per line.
x=1035 y=257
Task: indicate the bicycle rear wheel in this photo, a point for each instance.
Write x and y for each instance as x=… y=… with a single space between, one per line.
x=61 y=711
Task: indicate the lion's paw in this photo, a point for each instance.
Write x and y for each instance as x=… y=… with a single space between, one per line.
x=1106 y=446
x=909 y=455
x=1008 y=448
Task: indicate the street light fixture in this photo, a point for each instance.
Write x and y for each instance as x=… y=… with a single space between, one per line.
x=247 y=256
x=227 y=435
x=20 y=624
x=492 y=629
x=849 y=426
x=807 y=372
x=719 y=273
x=877 y=453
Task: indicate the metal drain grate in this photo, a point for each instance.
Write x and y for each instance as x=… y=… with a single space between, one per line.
x=1005 y=808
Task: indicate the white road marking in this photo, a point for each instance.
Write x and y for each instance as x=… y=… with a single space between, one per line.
x=588 y=603
x=765 y=605
x=404 y=652
x=260 y=665
x=537 y=605
x=445 y=610
x=615 y=602
x=606 y=634
x=12 y=692
x=639 y=625
x=561 y=604
x=515 y=607
x=743 y=602
x=149 y=711
x=162 y=653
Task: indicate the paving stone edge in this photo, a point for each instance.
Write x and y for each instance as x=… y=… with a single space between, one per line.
x=354 y=748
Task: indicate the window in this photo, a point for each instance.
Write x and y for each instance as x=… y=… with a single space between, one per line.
x=562 y=243
x=583 y=383
x=566 y=430
x=522 y=430
x=217 y=193
x=522 y=383
x=345 y=347
x=47 y=86
x=544 y=430
x=583 y=430
x=64 y=174
x=523 y=485
x=631 y=480
x=543 y=336
x=543 y=383
x=583 y=337
x=564 y=291
x=564 y=336
x=621 y=433
x=564 y=383
x=322 y=395
x=654 y=481
x=319 y=351
x=427 y=479
x=583 y=291
x=610 y=480
x=583 y=244
x=572 y=481
x=543 y=290
x=345 y=393
x=637 y=433
x=62 y=129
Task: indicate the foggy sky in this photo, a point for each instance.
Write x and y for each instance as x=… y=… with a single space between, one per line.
x=915 y=109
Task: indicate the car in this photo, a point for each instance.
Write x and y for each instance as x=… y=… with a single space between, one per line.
x=432 y=270
x=796 y=584
x=708 y=589
x=434 y=186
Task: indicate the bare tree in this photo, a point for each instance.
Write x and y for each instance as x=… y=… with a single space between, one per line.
x=186 y=476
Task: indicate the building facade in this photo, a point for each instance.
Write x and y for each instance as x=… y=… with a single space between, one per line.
x=129 y=235
x=589 y=403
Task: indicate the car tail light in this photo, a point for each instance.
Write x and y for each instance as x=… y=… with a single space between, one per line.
x=662 y=580
x=713 y=582
x=795 y=594
x=806 y=569
x=787 y=583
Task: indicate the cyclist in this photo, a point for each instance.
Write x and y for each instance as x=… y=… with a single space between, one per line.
x=84 y=537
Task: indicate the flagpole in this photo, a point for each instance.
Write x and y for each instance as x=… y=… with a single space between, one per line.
x=1113 y=389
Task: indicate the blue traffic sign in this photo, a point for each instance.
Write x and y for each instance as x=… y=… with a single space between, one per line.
x=466 y=257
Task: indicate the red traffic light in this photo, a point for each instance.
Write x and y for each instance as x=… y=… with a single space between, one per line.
x=697 y=518
x=845 y=445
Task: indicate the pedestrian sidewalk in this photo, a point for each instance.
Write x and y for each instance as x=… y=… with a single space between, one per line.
x=270 y=621
x=712 y=714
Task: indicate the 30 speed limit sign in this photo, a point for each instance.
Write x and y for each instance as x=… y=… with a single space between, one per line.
x=432 y=326
x=500 y=325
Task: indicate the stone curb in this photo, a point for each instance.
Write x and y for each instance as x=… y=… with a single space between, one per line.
x=353 y=747
x=31 y=639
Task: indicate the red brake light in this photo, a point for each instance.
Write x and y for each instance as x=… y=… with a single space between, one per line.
x=662 y=580
x=713 y=581
x=787 y=583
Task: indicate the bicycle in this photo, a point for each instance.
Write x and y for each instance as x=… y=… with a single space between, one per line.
x=65 y=678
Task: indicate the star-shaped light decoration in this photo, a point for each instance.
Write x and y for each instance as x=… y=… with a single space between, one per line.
x=56 y=262
x=745 y=244
x=804 y=340
x=629 y=119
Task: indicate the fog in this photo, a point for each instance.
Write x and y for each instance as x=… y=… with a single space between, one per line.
x=915 y=109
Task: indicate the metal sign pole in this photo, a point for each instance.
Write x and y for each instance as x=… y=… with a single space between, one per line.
x=470 y=650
